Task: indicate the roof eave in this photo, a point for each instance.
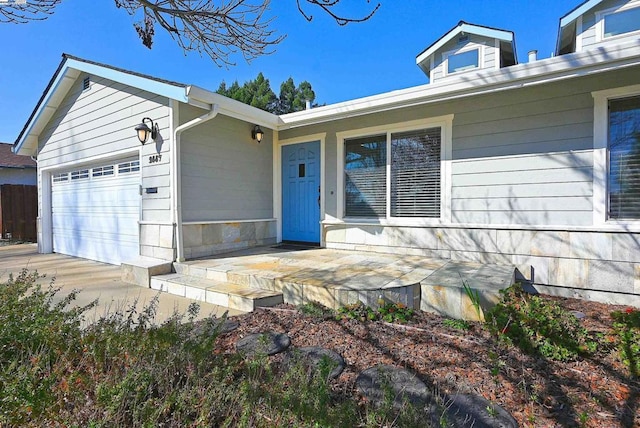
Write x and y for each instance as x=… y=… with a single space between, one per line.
x=463 y=27
x=580 y=10
x=232 y=108
x=554 y=68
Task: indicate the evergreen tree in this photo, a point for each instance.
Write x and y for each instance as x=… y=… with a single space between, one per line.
x=258 y=93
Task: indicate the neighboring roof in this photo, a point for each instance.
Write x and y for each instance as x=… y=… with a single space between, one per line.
x=465 y=27
x=10 y=160
x=554 y=69
x=70 y=69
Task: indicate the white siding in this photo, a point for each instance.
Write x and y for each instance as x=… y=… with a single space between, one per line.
x=226 y=175
x=99 y=122
x=589 y=27
x=488 y=50
x=513 y=162
x=529 y=149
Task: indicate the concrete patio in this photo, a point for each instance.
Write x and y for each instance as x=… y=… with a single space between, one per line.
x=265 y=276
x=96 y=281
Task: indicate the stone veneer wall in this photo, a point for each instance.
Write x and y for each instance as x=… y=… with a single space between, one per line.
x=157 y=240
x=595 y=265
x=209 y=238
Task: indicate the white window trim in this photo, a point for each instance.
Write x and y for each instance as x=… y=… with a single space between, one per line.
x=445 y=123
x=467 y=48
x=579 y=34
x=600 y=15
x=600 y=157
x=277 y=177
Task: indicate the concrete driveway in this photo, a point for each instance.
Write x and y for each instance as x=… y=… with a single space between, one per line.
x=95 y=281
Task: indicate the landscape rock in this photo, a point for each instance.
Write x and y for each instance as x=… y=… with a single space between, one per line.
x=269 y=343
x=313 y=356
x=378 y=381
x=470 y=410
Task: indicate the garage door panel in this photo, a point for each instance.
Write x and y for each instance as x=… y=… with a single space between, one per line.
x=96 y=216
x=96 y=225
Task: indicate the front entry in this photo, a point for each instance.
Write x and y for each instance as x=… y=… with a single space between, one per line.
x=301 y=192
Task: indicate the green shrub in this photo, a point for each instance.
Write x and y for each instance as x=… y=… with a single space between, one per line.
x=127 y=370
x=36 y=337
x=387 y=311
x=626 y=329
x=356 y=311
x=538 y=326
x=395 y=312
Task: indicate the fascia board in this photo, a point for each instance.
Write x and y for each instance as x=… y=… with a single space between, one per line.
x=542 y=71
x=232 y=108
x=70 y=70
x=580 y=10
x=506 y=36
x=172 y=92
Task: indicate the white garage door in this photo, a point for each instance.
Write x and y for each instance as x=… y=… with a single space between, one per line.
x=95 y=211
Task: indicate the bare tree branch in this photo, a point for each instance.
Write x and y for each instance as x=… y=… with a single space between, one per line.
x=21 y=12
x=216 y=28
x=327 y=6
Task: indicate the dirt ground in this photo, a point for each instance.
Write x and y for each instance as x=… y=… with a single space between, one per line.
x=591 y=392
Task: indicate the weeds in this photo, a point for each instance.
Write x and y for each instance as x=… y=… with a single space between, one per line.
x=457 y=324
x=474 y=298
x=356 y=311
x=315 y=310
x=626 y=331
x=126 y=370
x=538 y=326
x=387 y=311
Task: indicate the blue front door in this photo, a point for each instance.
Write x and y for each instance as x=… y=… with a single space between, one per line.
x=301 y=192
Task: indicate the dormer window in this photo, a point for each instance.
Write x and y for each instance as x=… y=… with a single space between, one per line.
x=462 y=61
x=615 y=22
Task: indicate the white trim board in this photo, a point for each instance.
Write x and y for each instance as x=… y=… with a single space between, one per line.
x=600 y=152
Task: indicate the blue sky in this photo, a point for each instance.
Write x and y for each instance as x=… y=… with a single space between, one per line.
x=341 y=63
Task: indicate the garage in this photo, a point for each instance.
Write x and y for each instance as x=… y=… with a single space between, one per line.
x=95 y=211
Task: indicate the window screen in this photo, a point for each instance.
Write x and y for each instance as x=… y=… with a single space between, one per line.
x=365 y=177
x=415 y=173
x=624 y=158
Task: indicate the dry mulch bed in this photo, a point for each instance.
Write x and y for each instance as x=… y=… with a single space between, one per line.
x=592 y=392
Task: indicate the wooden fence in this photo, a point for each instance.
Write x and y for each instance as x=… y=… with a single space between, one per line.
x=18 y=211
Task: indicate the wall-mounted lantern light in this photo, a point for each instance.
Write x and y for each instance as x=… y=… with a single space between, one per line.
x=257 y=134
x=143 y=130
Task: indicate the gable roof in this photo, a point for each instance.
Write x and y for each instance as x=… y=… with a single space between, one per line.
x=465 y=27
x=8 y=159
x=71 y=67
x=567 y=28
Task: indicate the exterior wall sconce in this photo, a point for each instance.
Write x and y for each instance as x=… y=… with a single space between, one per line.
x=143 y=130
x=257 y=134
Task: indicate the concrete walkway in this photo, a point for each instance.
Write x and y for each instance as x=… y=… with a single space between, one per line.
x=96 y=281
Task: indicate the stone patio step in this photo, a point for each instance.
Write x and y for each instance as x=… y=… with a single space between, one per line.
x=220 y=293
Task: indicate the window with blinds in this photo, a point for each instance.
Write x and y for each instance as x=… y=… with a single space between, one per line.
x=624 y=158
x=415 y=173
x=366 y=177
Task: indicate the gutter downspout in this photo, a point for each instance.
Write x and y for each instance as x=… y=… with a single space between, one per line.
x=176 y=180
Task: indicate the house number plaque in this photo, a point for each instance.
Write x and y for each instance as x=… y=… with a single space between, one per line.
x=155 y=158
